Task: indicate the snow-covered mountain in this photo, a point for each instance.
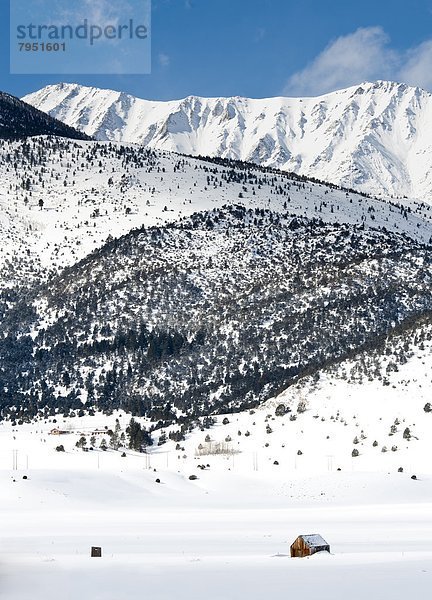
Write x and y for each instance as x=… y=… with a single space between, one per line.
x=213 y=313
x=60 y=199
x=373 y=137
x=317 y=272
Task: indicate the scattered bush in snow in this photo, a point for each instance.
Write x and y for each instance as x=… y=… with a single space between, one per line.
x=407 y=434
x=301 y=407
x=81 y=443
x=280 y=410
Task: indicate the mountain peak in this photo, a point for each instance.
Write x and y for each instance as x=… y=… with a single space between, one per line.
x=370 y=136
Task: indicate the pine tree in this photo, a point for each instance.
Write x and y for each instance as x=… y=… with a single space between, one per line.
x=81 y=443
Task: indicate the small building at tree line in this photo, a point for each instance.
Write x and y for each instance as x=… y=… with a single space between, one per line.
x=306 y=545
x=57 y=431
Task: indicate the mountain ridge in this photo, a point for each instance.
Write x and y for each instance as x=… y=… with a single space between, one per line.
x=371 y=137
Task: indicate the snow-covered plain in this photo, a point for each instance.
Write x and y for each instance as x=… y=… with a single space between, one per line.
x=226 y=535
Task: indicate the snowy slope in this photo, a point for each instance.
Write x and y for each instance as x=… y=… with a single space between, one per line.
x=373 y=398
x=217 y=312
x=373 y=137
x=91 y=191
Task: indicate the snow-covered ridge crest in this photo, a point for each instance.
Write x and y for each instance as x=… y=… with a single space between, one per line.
x=373 y=137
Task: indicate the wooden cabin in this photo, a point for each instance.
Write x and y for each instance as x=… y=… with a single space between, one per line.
x=306 y=545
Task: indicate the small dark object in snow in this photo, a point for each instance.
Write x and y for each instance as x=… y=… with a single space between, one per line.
x=338 y=469
x=413 y=476
x=193 y=477
x=275 y=462
x=123 y=455
x=157 y=480
x=25 y=477
x=400 y=470
x=96 y=552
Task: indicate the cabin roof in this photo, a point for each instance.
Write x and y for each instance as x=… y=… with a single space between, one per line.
x=314 y=539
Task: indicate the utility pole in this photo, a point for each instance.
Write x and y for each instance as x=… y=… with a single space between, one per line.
x=330 y=462
x=14 y=460
x=255 y=461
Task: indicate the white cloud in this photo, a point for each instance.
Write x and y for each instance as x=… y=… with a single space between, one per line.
x=417 y=69
x=364 y=55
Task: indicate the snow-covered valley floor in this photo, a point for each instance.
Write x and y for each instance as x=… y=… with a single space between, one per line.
x=226 y=533
x=223 y=536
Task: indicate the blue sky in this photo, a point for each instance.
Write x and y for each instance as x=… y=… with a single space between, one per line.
x=260 y=48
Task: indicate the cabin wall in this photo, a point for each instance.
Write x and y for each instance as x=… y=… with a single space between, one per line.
x=299 y=549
